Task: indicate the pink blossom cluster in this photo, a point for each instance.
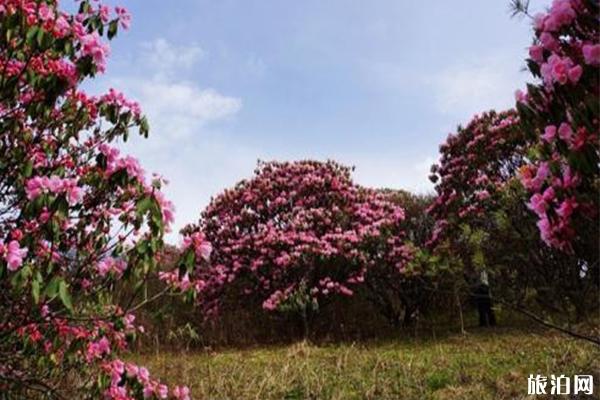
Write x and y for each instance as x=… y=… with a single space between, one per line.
x=61 y=24
x=111 y=265
x=560 y=178
x=125 y=377
x=93 y=46
x=197 y=240
x=114 y=163
x=115 y=97
x=38 y=185
x=13 y=254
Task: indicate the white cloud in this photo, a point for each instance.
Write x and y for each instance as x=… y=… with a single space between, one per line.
x=178 y=109
x=167 y=59
x=463 y=89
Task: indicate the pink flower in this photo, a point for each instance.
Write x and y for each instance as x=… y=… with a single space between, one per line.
x=181 y=393
x=92 y=45
x=162 y=391
x=104 y=13
x=566 y=208
x=124 y=17
x=538 y=204
x=148 y=391
x=46 y=13
x=104 y=345
x=14 y=255
x=561 y=13
x=545 y=229
x=110 y=264
x=556 y=69
x=548 y=41
x=131 y=370
x=565 y=132
x=575 y=73
x=536 y=52
x=542 y=174
x=116 y=393
x=185 y=282
x=482 y=195
x=521 y=97
x=103 y=267
x=549 y=194
x=569 y=180
x=202 y=247
x=73 y=191
x=580 y=139
x=549 y=133
x=345 y=291
x=132 y=166
x=61 y=26
x=97 y=349
x=538 y=21
x=143 y=374
x=33 y=187
x=591 y=53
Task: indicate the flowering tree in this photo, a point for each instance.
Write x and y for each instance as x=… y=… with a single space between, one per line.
x=483 y=221
x=551 y=145
x=401 y=297
x=474 y=166
x=560 y=117
x=296 y=234
x=80 y=226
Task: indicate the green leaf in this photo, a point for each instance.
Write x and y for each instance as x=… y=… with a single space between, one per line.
x=31 y=33
x=52 y=289
x=64 y=295
x=35 y=290
x=144 y=127
x=144 y=205
x=40 y=37
x=112 y=29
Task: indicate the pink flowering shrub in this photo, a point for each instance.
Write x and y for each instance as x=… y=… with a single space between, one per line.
x=77 y=219
x=484 y=221
x=475 y=165
x=294 y=235
x=560 y=118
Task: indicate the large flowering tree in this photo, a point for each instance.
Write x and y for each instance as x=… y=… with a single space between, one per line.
x=561 y=118
x=475 y=164
x=484 y=222
x=296 y=234
x=80 y=226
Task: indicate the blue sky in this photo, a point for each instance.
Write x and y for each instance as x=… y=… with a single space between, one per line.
x=375 y=84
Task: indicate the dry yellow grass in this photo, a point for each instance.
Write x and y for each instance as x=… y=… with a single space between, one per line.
x=486 y=364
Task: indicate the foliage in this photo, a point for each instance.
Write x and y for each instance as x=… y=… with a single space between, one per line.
x=78 y=221
x=560 y=117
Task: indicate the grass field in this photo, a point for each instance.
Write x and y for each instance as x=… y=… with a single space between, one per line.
x=484 y=364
